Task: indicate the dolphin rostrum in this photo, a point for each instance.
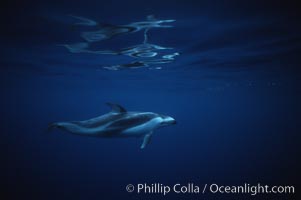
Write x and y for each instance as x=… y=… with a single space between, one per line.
x=118 y=123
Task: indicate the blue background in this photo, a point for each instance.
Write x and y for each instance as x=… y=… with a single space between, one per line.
x=234 y=91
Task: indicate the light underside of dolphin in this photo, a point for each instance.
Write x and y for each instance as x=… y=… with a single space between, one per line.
x=118 y=123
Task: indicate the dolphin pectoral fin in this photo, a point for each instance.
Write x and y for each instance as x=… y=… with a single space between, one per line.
x=116 y=108
x=147 y=138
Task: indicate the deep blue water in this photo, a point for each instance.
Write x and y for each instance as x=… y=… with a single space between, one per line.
x=234 y=90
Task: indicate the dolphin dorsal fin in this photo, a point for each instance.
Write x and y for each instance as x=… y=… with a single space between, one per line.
x=116 y=108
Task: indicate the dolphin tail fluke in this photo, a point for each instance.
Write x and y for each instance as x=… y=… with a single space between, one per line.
x=51 y=126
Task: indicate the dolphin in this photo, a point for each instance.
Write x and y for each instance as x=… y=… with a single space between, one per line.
x=118 y=123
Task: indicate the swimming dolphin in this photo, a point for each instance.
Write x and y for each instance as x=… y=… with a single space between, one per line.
x=118 y=123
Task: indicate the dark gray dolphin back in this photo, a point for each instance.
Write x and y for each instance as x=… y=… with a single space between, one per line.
x=128 y=119
x=131 y=120
x=116 y=113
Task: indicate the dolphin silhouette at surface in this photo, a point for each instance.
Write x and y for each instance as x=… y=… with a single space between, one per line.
x=118 y=123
